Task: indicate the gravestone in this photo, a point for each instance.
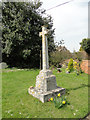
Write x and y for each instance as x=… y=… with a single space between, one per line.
x=3 y=65
x=46 y=86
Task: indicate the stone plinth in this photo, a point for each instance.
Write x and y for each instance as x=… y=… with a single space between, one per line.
x=46 y=86
x=45 y=81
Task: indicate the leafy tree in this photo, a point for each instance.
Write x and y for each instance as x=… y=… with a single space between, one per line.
x=85 y=45
x=57 y=56
x=81 y=49
x=80 y=55
x=22 y=23
x=57 y=44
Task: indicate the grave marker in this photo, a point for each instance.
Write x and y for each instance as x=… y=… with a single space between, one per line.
x=46 y=86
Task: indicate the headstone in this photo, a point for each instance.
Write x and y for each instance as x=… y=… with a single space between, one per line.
x=3 y=65
x=46 y=86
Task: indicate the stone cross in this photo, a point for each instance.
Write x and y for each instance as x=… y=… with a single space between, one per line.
x=46 y=86
x=44 y=48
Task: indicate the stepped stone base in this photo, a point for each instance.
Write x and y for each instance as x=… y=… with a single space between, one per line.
x=45 y=96
x=45 y=87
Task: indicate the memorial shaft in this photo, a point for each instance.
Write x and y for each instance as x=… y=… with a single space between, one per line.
x=44 y=48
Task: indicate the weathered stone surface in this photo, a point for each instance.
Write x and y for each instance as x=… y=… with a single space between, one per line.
x=45 y=81
x=45 y=96
x=3 y=65
x=45 y=63
x=46 y=86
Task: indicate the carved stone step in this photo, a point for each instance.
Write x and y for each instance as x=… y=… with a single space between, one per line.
x=45 y=96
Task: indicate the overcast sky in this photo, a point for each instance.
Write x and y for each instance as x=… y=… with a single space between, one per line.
x=70 y=21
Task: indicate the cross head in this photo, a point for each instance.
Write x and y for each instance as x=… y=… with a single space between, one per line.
x=44 y=31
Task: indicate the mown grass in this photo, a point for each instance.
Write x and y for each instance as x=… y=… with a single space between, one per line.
x=17 y=103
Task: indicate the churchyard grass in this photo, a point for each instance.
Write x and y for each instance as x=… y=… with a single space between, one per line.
x=17 y=103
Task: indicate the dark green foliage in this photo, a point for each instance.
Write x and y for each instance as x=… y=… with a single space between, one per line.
x=81 y=49
x=20 y=36
x=85 y=44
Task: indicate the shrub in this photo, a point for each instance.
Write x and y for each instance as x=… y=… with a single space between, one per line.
x=81 y=55
x=57 y=57
x=70 y=65
x=77 y=68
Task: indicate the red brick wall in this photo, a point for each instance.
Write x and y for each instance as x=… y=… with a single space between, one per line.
x=85 y=66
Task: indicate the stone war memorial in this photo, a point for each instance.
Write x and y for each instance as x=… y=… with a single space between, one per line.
x=46 y=86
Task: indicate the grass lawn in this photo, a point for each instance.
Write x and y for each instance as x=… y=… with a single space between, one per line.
x=17 y=103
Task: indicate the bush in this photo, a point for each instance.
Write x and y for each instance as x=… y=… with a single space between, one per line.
x=81 y=55
x=57 y=57
x=70 y=65
x=77 y=68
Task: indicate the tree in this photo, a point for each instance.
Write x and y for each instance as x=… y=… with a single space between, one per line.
x=59 y=55
x=81 y=49
x=80 y=55
x=85 y=45
x=20 y=35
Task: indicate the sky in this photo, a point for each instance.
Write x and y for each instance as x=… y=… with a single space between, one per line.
x=70 y=21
